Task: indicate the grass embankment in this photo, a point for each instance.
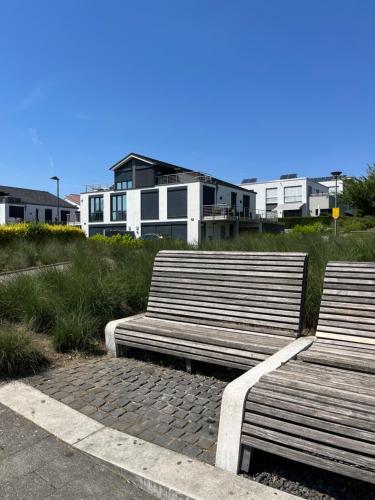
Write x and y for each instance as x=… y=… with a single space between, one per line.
x=111 y=281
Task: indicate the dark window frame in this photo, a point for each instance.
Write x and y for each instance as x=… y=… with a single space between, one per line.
x=143 y=209
x=183 y=189
x=118 y=213
x=97 y=204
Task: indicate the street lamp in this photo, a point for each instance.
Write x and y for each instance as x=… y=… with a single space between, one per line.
x=55 y=178
x=336 y=174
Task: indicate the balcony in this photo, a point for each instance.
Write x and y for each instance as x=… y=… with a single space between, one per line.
x=96 y=217
x=262 y=215
x=184 y=178
x=225 y=212
x=118 y=215
x=218 y=212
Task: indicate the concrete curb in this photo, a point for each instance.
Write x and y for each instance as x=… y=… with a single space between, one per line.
x=233 y=404
x=159 y=471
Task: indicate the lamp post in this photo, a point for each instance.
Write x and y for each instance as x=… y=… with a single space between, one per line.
x=336 y=174
x=55 y=178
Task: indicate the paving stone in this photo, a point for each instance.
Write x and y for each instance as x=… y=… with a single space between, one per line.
x=191 y=451
x=176 y=445
x=143 y=399
x=179 y=423
x=193 y=427
x=207 y=457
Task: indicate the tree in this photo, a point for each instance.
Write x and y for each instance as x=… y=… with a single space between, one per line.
x=360 y=193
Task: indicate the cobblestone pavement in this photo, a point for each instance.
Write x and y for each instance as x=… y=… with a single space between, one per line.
x=168 y=407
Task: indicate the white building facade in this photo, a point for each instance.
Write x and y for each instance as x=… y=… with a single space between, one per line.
x=31 y=205
x=285 y=197
x=153 y=197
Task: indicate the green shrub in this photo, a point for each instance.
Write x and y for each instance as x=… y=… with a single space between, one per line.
x=290 y=222
x=118 y=239
x=317 y=227
x=18 y=355
x=36 y=231
x=75 y=332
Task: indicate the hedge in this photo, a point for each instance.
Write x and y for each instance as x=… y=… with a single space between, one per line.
x=38 y=232
x=290 y=222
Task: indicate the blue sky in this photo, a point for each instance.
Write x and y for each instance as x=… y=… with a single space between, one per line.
x=252 y=88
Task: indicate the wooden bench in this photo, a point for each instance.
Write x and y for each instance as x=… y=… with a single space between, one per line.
x=320 y=409
x=227 y=308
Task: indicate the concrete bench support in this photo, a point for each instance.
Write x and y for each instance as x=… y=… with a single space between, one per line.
x=110 y=343
x=233 y=404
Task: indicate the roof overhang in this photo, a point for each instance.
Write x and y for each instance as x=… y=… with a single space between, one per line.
x=127 y=158
x=289 y=206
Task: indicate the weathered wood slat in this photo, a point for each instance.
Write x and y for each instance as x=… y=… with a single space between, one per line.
x=199 y=357
x=309 y=459
x=330 y=452
x=313 y=405
x=235 y=299
x=226 y=306
x=318 y=437
x=322 y=420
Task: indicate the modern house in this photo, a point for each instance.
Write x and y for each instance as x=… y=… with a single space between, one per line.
x=19 y=204
x=152 y=196
x=330 y=183
x=289 y=196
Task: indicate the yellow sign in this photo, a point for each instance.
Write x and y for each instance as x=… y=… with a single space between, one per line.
x=335 y=213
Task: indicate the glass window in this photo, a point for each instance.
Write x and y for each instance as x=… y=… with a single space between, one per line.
x=96 y=208
x=118 y=207
x=271 y=195
x=292 y=194
x=124 y=185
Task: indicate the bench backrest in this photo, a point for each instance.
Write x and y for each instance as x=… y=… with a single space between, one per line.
x=347 y=312
x=259 y=292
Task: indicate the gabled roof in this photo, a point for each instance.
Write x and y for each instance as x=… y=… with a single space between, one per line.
x=33 y=196
x=147 y=159
x=75 y=199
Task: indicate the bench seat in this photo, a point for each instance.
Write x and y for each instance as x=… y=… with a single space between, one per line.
x=320 y=417
x=320 y=409
x=229 y=308
x=236 y=348
x=351 y=357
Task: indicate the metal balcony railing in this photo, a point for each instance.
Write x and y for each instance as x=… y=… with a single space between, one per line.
x=184 y=177
x=267 y=216
x=118 y=215
x=96 y=217
x=218 y=211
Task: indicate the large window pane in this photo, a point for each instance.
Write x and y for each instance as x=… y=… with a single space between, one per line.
x=95 y=208
x=149 y=205
x=271 y=195
x=293 y=194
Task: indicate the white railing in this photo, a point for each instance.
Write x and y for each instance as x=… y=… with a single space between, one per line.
x=221 y=211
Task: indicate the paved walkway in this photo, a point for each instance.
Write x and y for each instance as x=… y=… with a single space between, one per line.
x=35 y=465
x=161 y=405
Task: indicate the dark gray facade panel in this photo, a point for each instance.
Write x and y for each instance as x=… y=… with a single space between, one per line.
x=177 y=202
x=144 y=177
x=124 y=174
x=208 y=195
x=149 y=205
x=177 y=230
